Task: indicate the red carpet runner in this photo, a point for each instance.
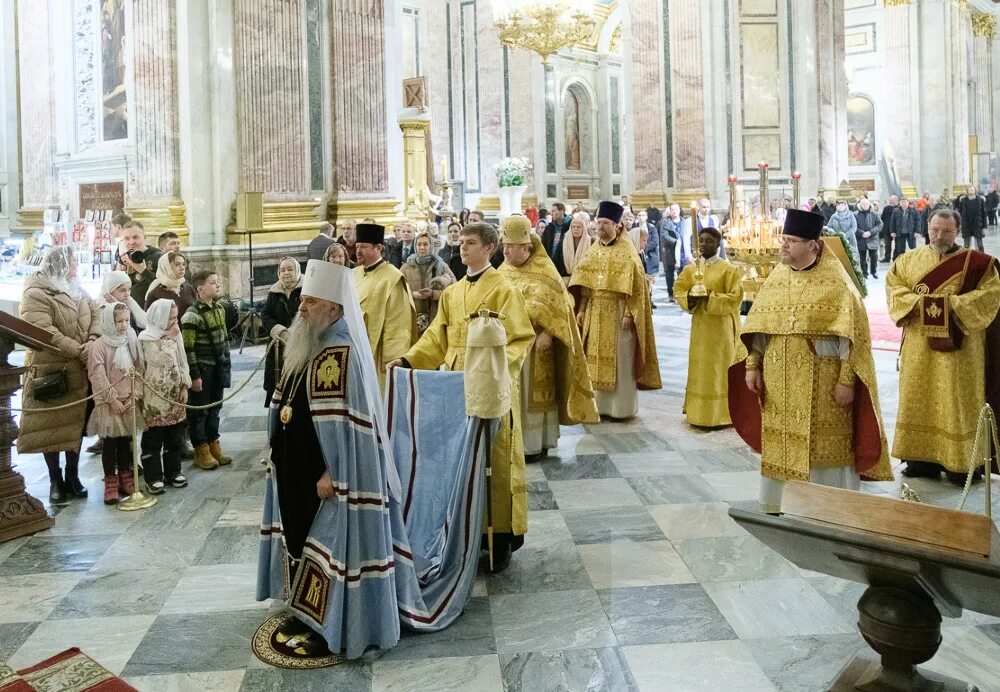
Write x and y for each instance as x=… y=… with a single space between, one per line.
x=69 y=671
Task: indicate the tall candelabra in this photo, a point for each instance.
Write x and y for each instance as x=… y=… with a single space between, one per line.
x=796 y=176
x=698 y=290
x=765 y=202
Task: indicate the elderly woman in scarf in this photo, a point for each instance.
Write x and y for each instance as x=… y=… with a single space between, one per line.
x=427 y=276
x=279 y=310
x=574 y=246
x=115 y=396
x=170 y=283
x=54 y=301
x=115 y=288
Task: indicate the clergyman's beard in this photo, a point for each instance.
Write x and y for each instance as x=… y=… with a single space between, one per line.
x=302 y=345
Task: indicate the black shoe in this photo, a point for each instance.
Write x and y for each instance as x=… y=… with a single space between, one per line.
x=960 y=478
x=74 y=488
x=57 y=493
x=874 y=276
x=501 y=558
x=187 y=451
x=97 y=447
x=922 y=469
x=652 y=305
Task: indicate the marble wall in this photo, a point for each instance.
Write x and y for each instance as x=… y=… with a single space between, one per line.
x=154 y=115
x=37 y=117
x=687 y=94
x=831 y=82
x=645 y=17
x=271 y=105
x=897 y=71
x=357 y=74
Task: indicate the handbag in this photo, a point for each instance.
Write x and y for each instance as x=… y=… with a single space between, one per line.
x=48 y=387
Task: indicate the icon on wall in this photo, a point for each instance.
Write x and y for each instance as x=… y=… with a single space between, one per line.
x=860 y=131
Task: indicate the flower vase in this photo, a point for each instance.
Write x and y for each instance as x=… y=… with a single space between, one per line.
x=510 y=200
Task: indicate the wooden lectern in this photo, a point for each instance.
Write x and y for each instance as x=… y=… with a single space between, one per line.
x=919 y=561
x=20 y=513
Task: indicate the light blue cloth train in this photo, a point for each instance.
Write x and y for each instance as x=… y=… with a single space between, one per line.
x=370 y=561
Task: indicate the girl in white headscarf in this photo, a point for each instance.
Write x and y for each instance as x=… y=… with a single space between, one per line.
x=115 y=288
x=170 y=283
x=574 y=245
x=162 y=349
x=110 y=358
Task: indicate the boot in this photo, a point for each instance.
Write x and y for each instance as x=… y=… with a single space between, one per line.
x=111 y=490
x=74 y=488
x=126 y=483
x=187 y=451
x=203 y=458
x=216 y=449
x=57 y=491
x=97 y=447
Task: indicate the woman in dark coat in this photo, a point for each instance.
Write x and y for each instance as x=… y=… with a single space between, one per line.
x=450 y=253
x=279 y=309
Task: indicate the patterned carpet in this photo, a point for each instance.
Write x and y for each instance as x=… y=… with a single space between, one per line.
x=632 y=577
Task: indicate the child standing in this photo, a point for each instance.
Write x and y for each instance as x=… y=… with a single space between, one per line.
x=206 y=342
x=166 y=370
x=110 y=358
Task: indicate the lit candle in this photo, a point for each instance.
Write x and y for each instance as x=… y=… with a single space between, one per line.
x=796 y=175
x=732 y=178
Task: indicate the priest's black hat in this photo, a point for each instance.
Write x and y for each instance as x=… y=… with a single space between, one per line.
x=804 y=224
x=371 y=233
x=611 y=211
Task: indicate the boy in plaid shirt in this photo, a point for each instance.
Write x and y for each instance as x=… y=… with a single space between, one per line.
x=206 y=343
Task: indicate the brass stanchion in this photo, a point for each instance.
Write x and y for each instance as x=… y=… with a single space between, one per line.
x=138 y=499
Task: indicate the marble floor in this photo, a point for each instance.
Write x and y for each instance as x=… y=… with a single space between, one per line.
x=632 y=577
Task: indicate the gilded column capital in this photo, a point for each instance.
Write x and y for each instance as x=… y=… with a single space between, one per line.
x=895 y=3
x=984 y=26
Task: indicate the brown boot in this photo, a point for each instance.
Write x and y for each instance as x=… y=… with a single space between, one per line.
x=203 y=458
x=110 y=490
x=216 y=449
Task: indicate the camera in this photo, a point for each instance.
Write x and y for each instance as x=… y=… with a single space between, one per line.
x=135 y=256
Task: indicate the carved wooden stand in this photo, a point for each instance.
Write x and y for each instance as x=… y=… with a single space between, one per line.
x=20 y=513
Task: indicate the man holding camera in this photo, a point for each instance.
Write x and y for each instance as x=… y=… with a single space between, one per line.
x=137 y=259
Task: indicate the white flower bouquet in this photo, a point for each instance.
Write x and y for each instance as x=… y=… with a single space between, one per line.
x=511 y=171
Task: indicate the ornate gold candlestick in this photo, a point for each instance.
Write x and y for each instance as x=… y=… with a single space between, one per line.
x=698 y=290
x=796 y=176
x=765 y=203
x=733 y=211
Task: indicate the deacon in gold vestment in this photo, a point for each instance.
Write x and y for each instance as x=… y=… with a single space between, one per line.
x=443 y=343
x=802 y=391
x=555 y=383
x=715 y=328
x=385 y=300
x=615 y=318
x=944 y=297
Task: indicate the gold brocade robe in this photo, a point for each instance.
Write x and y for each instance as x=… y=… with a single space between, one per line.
x=611 y=283
x=800 y=425
x=715 y=328
x=443 y=343
x=940 y=393
x=559 y=378
x=389 y=315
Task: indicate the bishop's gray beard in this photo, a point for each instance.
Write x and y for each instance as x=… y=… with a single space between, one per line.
x=302 y=345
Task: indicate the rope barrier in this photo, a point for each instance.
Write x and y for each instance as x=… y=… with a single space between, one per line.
x=132 y=374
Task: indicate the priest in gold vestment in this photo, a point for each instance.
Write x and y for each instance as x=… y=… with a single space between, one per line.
x=385 y=300
x=443 y=343
x=715 y=328
x=616 y=320
x=802 y=390
x=555 y=383
x=944 y=297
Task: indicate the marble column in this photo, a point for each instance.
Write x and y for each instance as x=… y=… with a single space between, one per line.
x=648 y=179
x=521 y=69
x=831 y=85
x=984 y=34
x=272 y=114
x=898 y=66
x=153 y=188
x=37 y=116
x=687 y=98
x=360 y=136
x=960 y=29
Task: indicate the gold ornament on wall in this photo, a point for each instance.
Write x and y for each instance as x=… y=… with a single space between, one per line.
x=984 y=26
x=543 y=26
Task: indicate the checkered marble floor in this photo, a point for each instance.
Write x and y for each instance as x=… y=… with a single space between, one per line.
x=633 y=577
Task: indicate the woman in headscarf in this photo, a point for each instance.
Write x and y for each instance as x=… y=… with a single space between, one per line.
x=573 y=246
x=115 y=288
x=109 y=359
x=171 y=284
x=54 y=301
x=451 y=253
x=428 y=276
x=166 y=369
x=337 y=254
x=280 y=309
